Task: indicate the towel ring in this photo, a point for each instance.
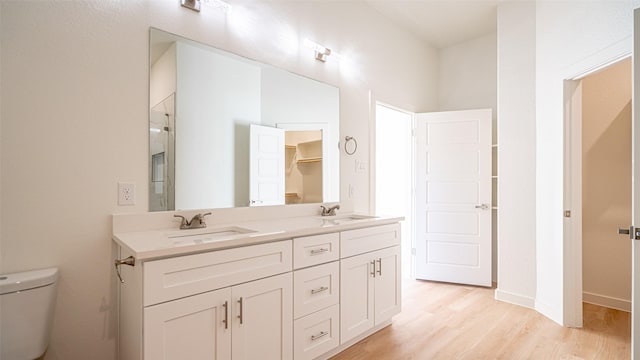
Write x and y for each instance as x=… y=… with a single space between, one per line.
x=347 y=140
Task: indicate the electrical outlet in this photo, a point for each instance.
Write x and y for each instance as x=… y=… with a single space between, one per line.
x=126 y=193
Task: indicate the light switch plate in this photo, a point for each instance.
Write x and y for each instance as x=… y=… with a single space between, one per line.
x=361 y=166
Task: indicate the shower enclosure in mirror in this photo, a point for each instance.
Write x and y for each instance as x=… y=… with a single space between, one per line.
x=226 y=131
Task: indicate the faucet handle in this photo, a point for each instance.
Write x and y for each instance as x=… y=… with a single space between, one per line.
x=329 y=211
x=199 y=218
x=184 y=221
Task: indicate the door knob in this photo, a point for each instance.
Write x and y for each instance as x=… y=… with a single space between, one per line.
x=482 y=206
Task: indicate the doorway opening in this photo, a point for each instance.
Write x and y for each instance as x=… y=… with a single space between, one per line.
x=394 y=174
x=598 y=183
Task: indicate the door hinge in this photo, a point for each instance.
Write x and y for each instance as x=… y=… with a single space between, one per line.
x=567 y=213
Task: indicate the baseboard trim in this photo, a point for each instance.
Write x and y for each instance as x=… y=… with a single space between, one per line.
x=550 y=312
x=606 y=301
x=515 y=299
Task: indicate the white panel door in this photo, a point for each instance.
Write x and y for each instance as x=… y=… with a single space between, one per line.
x=263 y=319
x=196 y=327
x=266 y=169
x=453 y=197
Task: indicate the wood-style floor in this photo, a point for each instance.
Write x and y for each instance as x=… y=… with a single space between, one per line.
x=445 y=321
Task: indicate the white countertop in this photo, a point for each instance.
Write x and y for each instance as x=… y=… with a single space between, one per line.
x=152 y=244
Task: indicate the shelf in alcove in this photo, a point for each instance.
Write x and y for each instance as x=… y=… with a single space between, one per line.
x=311 y=142
x=290 y=147
x=291 y=195
x=309 y=160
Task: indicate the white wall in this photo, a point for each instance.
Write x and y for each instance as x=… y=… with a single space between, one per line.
x=468 y=75
x=516 y=153
x=468 y=80
x=606 y=186
x=74 y=118
x=564 y=40
x=571 y=37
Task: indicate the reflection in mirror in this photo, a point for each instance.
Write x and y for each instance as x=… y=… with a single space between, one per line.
x=303 y=166
x=216 y=120
x=161 y=146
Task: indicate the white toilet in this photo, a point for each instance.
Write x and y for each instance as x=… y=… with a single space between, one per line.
x=27 y=301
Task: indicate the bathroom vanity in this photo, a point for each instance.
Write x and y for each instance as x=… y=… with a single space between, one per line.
x=302 y=287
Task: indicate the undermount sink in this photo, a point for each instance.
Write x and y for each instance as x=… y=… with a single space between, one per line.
x=199 y=236
x=338 y=220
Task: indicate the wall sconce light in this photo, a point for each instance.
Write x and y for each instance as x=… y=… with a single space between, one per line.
x=191 y=4
x=321 y=52
x=195 y=5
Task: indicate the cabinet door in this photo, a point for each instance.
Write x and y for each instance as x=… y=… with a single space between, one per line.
x=356 y=296
x=189 y=328
x=387 y=284
x=263 y=319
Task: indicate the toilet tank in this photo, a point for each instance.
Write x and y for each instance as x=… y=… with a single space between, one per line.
x=27 y=302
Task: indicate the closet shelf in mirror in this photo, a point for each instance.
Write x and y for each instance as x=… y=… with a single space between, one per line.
x=290 y=147
x=309 y=160
x=292 y=195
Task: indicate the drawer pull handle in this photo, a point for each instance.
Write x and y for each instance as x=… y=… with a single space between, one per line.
x=322 y=334
x=319 y=290
x=226 y=314
x=240 y=316
x=319 y=251
x=373 y=265
x=379 y=266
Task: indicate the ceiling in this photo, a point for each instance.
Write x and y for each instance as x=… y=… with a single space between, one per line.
x=441 y=23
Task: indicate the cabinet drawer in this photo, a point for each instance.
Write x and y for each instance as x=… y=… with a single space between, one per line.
x=315 y=288
x=314 y=250
x=317 y=333
x=354 y=242
x=173 y=278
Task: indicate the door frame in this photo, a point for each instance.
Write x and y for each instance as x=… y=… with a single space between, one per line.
x=572 y=175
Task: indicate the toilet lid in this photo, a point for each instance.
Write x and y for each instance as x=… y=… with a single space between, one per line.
x=10 y=283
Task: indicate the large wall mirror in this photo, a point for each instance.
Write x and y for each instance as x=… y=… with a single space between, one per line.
x=226 y=131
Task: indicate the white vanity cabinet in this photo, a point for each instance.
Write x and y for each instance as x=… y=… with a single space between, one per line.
x=370 y=286
x=227 y=304
x=303 y=294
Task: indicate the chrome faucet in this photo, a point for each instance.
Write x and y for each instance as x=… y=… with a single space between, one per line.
x=329 y=211
x=196 y=222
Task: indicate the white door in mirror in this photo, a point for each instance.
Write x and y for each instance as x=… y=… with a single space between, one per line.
x=266 y=170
